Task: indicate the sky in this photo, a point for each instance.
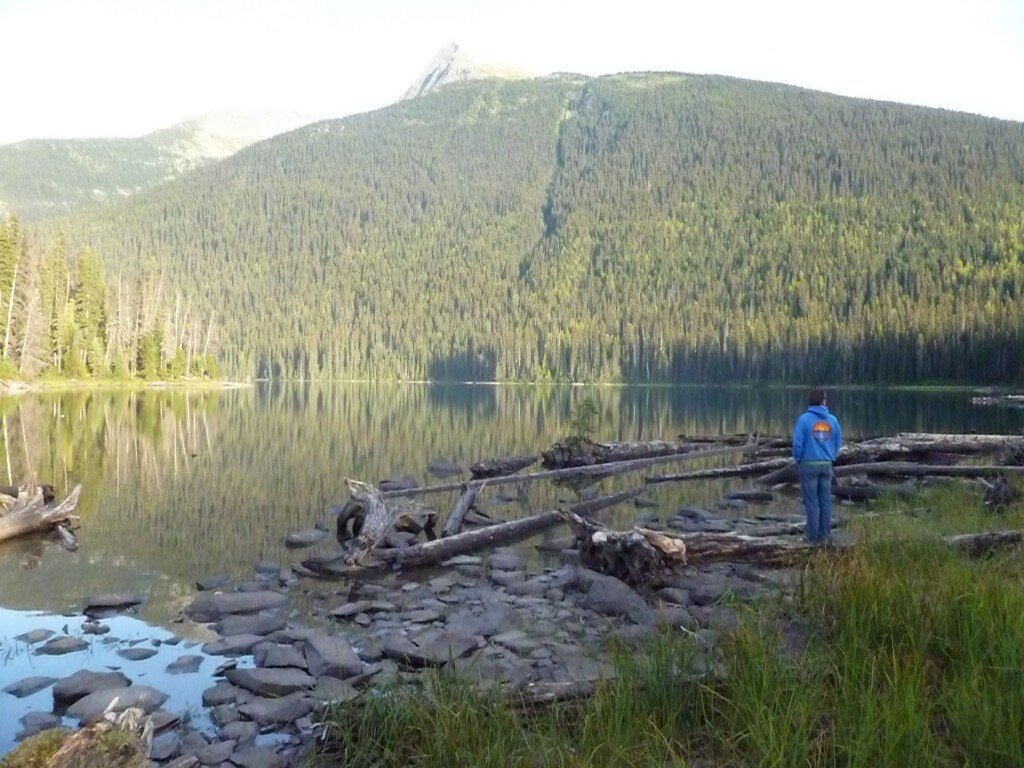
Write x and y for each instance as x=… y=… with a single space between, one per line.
x=83 y=68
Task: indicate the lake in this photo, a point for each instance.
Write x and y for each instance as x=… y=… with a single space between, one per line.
x=179 y=485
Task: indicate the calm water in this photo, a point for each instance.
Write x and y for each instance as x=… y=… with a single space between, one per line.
x=177 y=486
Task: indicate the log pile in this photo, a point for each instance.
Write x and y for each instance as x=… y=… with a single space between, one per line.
x=638 y=556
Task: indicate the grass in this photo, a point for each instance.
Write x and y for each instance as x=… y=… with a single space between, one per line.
x=911 y=655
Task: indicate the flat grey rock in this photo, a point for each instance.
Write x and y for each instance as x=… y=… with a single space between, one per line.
x=277 y=655
x=184 y=665
x=216 y=753
x=212 y=582
x=333 y=690
x=101 y=605
x=504 y=578
x=674 y=595
x=209 y=606
x=242 y=731
x=609 y=596
x=90 y=708
x=429 y=648
x=36 y=722
x=84 y=682
x=271 y=682
x=258 y=757
x=94 y=628
x=221 y=693
x=58 y=646
x=494 y=619
x=505 y=560
x=164 y=747
x=267 y=568
x=29 y=685
x=137 y=654
x=35 y=636
x=307 y=538
x=423 y=616
x=254 y=624
x=331 y=655
x=232 y=645
x=266 y=712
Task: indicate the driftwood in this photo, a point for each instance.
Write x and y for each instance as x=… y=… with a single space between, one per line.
x=374 y=517
x=641 y=556
x=439 y=550
x=741 y=470
x=462 y=505
x=581 y=453
x=593 y=471
x=501 y=465
x=906 y=469
x=29 y=514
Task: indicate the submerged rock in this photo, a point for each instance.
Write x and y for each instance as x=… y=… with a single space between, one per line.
x=58 y=646
x=307 y=538
x=28 y=686
x=84 y=682
x=212 y=606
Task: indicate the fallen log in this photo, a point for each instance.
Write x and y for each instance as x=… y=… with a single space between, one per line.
x=594 y=471
x=501 y=466
x=581 y=453
x=741 y=470
x=982 y=544
x=641 y=556
x=439 y=550
x=462 y=505
x=29 y=513
x=907 y=469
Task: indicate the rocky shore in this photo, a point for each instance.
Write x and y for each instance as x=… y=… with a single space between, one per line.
x=496 y=619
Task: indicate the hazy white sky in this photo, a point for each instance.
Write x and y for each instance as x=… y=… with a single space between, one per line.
x=73 y=68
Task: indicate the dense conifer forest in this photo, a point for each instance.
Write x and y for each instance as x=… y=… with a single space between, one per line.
x=60 y=318
x=651 y=227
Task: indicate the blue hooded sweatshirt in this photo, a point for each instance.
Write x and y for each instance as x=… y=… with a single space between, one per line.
x=817 y=435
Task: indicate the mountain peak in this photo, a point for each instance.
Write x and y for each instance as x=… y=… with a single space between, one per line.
x=450 y=65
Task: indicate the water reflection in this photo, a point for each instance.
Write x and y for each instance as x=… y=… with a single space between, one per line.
x=181 y=485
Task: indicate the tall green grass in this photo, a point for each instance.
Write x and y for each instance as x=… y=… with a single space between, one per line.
x=911 y=656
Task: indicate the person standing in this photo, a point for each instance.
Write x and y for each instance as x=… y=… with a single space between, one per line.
x=817 y=438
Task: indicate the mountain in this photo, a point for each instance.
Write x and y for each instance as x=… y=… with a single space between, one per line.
x=50 y=177
x=452 y=65
x=644 y=227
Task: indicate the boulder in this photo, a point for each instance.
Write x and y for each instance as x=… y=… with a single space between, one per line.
x=331 y=655
x=271 y=683
x=136 y=654
x=307 y=538
x=184 y=665
x=84 y=682
x=232 y=645
x=91 y=708
x=104 y=605
x=58 y=646
x=256 y=624
x=268 y=712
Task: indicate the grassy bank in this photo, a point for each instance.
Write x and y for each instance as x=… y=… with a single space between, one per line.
x=900 y=653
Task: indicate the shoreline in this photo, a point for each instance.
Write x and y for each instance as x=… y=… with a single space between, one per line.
x=71 y=385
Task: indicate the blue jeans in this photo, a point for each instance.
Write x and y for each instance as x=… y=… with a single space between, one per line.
x=816 y=487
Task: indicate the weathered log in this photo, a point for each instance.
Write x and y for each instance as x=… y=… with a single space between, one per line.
x=28 y=514
x=501 y=466
x=741 y=470
x=439 y=550
x=983 y=544
x=379 y=516
x=640 y=556
x=597 y=470
x=581 y=453
x=907 y=469
x=462 y=505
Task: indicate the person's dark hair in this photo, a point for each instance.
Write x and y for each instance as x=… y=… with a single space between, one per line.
x=816 y=397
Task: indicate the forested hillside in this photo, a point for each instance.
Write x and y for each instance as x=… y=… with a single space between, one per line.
x=644 y=227
x=42 y=178
x=61 y=318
